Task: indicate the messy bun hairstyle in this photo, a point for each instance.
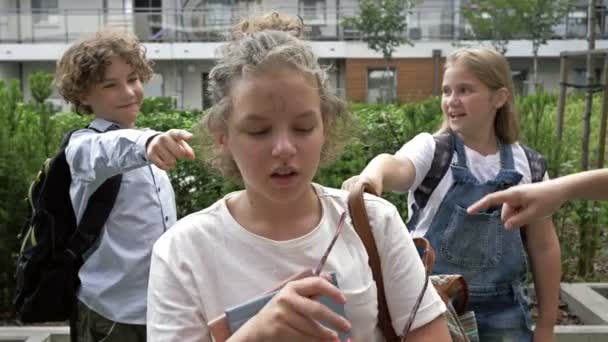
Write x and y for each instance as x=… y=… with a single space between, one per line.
x=255 y=45
x=272 y=21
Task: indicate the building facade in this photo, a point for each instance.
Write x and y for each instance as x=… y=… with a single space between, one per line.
x=181 y=36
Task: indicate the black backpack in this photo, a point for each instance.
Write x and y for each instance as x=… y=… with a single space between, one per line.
x=52 y=244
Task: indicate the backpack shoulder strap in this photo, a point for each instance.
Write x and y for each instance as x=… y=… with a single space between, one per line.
x=442 y=158
x=358 y=213
x=537 y=163
x=98 y=210
x=538 y=168
x=66 y=138
x=96 y=213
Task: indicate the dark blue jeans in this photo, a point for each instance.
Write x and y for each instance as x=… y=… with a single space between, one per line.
x=92 y=327
x=503 y=318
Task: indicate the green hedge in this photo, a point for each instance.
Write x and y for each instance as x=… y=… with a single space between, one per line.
x=30 y=132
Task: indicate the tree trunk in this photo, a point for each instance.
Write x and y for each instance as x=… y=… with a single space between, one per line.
x=388 y=83
x=590 y=81
x=586 y=230
x=601 y=146
x=534 y=67
x=561 y=104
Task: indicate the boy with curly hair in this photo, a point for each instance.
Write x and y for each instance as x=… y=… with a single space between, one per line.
x=103 y=75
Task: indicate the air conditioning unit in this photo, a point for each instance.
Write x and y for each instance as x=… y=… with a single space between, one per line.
x=415 y=33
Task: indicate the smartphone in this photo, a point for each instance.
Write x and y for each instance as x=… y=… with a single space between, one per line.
x=238 y=315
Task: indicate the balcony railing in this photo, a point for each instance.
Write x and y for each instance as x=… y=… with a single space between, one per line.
x=213 y=23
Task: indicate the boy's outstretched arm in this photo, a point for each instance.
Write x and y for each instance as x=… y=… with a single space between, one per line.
x=523 y=204
x=96 y=157
x=386 y=173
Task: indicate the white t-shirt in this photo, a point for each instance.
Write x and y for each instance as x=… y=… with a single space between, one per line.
x=208 y=262
x=420 y=151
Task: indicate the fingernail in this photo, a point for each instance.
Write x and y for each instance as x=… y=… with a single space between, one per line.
x=347 y=325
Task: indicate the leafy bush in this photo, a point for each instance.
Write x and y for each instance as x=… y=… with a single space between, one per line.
x=30 y=132
x=382 y=129
x=161 y=104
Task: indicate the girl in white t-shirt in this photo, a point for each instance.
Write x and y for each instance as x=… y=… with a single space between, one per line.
x=272 y=123
x=480 y=123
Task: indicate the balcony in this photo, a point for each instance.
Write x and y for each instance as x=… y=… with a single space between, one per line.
x=213 y=23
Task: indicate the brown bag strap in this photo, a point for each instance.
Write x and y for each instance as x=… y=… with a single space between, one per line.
x=358 y=213
x=452 y=288
x=428 y=258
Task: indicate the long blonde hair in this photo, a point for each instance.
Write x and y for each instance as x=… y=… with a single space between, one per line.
x=493 y=70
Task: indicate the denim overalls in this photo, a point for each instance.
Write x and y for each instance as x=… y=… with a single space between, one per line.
x=491 y=259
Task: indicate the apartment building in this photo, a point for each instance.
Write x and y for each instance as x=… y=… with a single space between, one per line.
x=181 y=36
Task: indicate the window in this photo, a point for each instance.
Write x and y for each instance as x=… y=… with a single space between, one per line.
x=314 y=15
x=576 y=24
x=381 y=85
x=45 y=12
x=148 y=19
x=520 y=82
x=216 y=19
x=217 y=14
x=312 y=11
x=146 y=5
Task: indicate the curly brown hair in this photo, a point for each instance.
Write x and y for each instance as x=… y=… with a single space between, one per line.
x=85 y=62
x=257 y=44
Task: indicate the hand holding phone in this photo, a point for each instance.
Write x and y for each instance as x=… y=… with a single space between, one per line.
x=288 y=312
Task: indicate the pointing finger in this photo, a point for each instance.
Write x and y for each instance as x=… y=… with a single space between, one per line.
x=488 y=201
x=188 y=151
x=180 y=134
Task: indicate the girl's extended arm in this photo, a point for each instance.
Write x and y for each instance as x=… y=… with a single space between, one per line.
x=525 y=203
x=544 y=252
x=386 y=173
x=585 y=185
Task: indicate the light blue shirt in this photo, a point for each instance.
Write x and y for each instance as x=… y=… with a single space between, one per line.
x=114 y=276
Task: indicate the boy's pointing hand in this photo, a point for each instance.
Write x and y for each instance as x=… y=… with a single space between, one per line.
x=166 y=148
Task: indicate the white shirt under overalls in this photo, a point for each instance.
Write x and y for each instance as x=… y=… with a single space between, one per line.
x=420 y=151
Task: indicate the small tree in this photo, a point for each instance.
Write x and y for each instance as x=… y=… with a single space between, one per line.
x=13 y=186
x=493 y=20
x=382 y=25
x=41 y=84
x=504 y=20
x=41 y=87
x=538 y=18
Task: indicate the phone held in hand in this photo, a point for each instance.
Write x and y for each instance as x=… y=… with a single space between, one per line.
x=234 y=317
